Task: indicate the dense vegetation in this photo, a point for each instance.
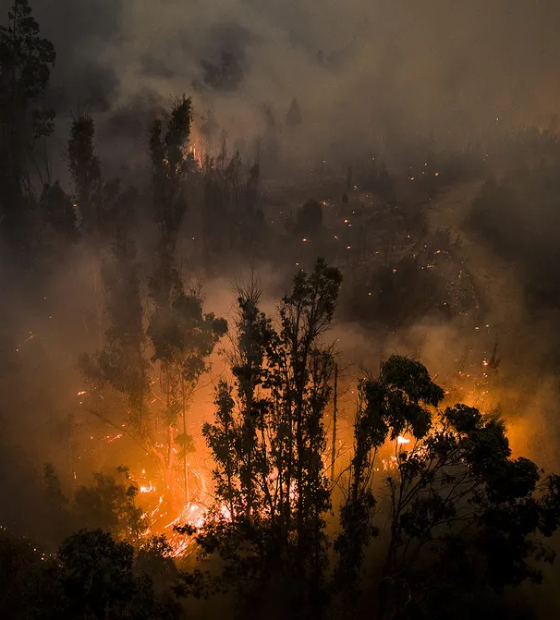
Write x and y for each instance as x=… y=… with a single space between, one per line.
x=425 y=514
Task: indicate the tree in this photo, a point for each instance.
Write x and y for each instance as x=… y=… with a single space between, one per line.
x=91 y=577
x=58 y=523
x=170 y=165
x=384 y=186
x=464 y=516
x=230 y=219
x=97 y=580
x=293 y=117
x=96 y=574
x=111 y=505
x=252 y=189
x=154 y=560
x=122 y=361
x=26 y=60
x=59 y=211
x=85 y=170
x=180 y=336
x=271 y=141
x=105 y=211
x=309 y=218
x=269 y=443
x=389 y=406
x=20 y=563
x=183 y=338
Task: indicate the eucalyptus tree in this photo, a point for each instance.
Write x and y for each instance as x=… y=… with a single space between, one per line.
x=269 y=442
x=26 y=61
x=463 y=516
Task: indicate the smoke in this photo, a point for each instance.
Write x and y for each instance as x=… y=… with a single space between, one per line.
x=368 y=75
x=363 y=71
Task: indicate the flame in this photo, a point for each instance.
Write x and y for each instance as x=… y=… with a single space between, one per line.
x=196 y=154
x=194 y=514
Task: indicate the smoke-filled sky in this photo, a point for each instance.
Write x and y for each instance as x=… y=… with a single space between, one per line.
x=359 y=68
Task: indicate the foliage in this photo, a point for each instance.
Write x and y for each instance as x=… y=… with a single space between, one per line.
x=464 y=515
x=98 y=580
x=20 y=563
x=111 y=505
x=183 y=338
x=24 y=56
x=92 y=577
x=185 y=335
x=101 y=203
x=121 y=363
x=170 y=164
x=26 y=60
x=154 y=559
x=395 y=403
x=268 y=443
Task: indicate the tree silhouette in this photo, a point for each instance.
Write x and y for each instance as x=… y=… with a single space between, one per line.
x=464 y=516
x=269 y=441
x=26 y=60
x=293 y=117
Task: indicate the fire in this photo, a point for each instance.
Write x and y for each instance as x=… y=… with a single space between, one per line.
x=402 y=440
x=163 y=515
x=196 y=154
x=193 y=514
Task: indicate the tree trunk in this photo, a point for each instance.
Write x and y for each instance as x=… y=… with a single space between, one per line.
x=335 y=412
x=185 y=461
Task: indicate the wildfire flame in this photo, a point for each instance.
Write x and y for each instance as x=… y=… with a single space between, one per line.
x=149 y=488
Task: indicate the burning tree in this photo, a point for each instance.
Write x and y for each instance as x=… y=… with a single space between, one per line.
x=183 y=338
x=181 y=335
x=173 y=343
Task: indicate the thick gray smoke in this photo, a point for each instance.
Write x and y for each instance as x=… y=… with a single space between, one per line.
x=363 y=71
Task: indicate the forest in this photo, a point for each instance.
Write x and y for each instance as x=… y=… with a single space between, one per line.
x=243 y=379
